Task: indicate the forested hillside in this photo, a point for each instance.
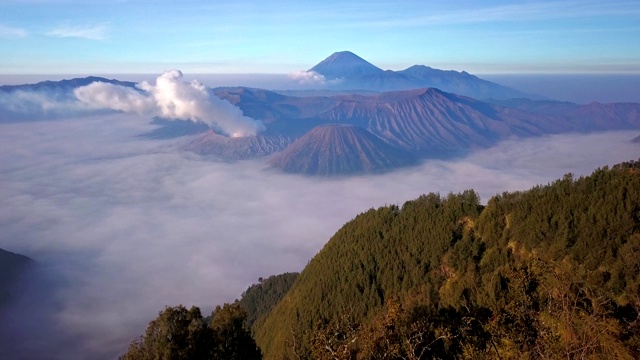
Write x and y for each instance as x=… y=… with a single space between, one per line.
x=549 y=272
x=260 y=298
x=552 y=272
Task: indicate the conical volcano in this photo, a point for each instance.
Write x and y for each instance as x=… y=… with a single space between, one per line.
x=332 y=150
x=345 y=64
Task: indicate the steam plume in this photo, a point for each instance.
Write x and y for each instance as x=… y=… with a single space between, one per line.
x=172 y=98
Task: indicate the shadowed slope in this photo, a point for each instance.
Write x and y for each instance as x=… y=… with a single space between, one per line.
x=11 y=267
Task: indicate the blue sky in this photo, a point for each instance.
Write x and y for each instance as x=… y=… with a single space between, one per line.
x=280 y=36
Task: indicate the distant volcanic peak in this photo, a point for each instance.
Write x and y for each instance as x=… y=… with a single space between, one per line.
x=333 y=150
x=345 y=64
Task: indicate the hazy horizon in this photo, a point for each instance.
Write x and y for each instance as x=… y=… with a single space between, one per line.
x=578 y=88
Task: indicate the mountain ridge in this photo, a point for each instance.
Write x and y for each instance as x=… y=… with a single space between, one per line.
x=355 y=73
x=428 y=122
x=65 y=84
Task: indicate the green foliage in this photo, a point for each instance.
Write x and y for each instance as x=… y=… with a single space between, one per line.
x=231 y=340
x=260 y=298
x=178 y=333
x=552 y=272
x=382 y=252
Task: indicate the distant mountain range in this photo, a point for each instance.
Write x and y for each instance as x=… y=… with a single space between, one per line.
x=347 y=71
x=64 y=87
x=424 y=123
x=386 y=130
x=46 y=100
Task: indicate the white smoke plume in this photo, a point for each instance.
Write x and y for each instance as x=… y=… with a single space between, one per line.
x=307 y=77
x=172 y=98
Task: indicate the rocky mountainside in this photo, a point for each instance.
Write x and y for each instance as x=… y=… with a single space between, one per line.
x=240 y=148
x=425 y=122
x=435 y=123
x=331 y=150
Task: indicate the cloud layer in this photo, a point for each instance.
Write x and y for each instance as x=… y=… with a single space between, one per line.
x=172 y=98
x=127 y=225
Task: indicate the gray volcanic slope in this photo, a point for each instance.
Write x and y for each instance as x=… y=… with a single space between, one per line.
x=240 y=148
x=432 y=122
x=332 y=150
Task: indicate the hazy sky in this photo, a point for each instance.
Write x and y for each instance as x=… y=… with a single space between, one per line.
x=280 y=36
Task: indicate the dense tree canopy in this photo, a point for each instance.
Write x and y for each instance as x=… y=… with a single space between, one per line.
x=549 y=272
x=178 y=333
x=260 y=298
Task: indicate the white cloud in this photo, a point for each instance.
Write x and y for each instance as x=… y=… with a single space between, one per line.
x=90 y=32
x=12 y=32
